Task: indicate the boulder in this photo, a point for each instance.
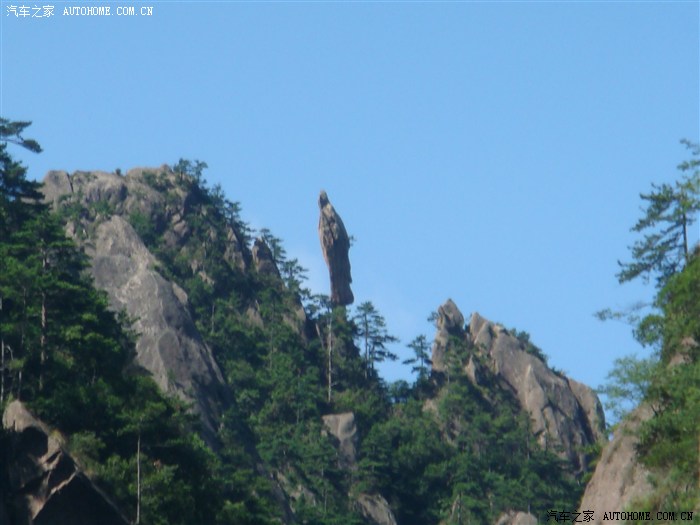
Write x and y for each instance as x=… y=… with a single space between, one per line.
x=516 y=518
x=335 y=244
x=342 y=428
x=376 y=509
x=45 y=485
x=618 y=478
x=373 y=507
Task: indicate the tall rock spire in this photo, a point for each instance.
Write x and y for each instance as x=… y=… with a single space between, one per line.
x=335 y=244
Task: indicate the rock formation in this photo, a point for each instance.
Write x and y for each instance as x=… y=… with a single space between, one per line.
x=335 y=244
x=376 y=509
x=263 y=259
x=516 y=518
x=373 y=507
x=45 y=485
x=168 y=344
x=618 y=478
x=342 y=428
x=450 y=323
x=565 y=415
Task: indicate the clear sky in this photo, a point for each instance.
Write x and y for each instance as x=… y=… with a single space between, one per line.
x=489 y=152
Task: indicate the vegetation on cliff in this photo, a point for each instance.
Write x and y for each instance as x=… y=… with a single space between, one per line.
x=442 y=450
x=668 y=381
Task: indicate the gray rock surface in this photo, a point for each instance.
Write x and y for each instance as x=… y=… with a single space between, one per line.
x=263 y=259
x=45 y=484
x=373 y=507
x=618 y=478
x=342 y=428
x=168 y=345
x=376 y=509
x=516 y=518
x=565 y=415
x=335 y=244
x=450 y=323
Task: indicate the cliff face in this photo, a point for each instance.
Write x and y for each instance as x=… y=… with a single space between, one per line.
x=566 y=416
x=45 y=486
x=618 y=478
x=168 y=344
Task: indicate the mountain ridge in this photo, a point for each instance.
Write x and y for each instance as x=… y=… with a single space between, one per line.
x=223 y=322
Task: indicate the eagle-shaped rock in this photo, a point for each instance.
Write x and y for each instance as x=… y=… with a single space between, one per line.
x=335 y=244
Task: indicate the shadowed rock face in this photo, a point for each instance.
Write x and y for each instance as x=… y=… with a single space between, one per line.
x=565 y=415
x=335 y=244
x=618 y=478
x=46 y=487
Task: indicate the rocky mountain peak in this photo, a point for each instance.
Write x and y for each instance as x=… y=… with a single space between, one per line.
x=450 y=323
x=565 y=415
x=263 y=259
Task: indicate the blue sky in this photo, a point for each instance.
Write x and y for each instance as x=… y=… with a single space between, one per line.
x=490 y=152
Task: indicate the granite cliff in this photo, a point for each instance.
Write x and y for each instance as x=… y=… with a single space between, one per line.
x=168 y=346
x=566 y=416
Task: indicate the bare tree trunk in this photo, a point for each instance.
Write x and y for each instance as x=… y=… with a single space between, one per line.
x=2 y=367
x=685 y=237
x=138 y=479
x=330 y=356
x=42 y=341
x=366 y=326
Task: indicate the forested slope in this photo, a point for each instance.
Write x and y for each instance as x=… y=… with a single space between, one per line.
x=195 y=380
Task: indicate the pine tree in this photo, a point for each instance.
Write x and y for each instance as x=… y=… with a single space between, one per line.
x=671 y=210
x=373 y=335
x=421 y=359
